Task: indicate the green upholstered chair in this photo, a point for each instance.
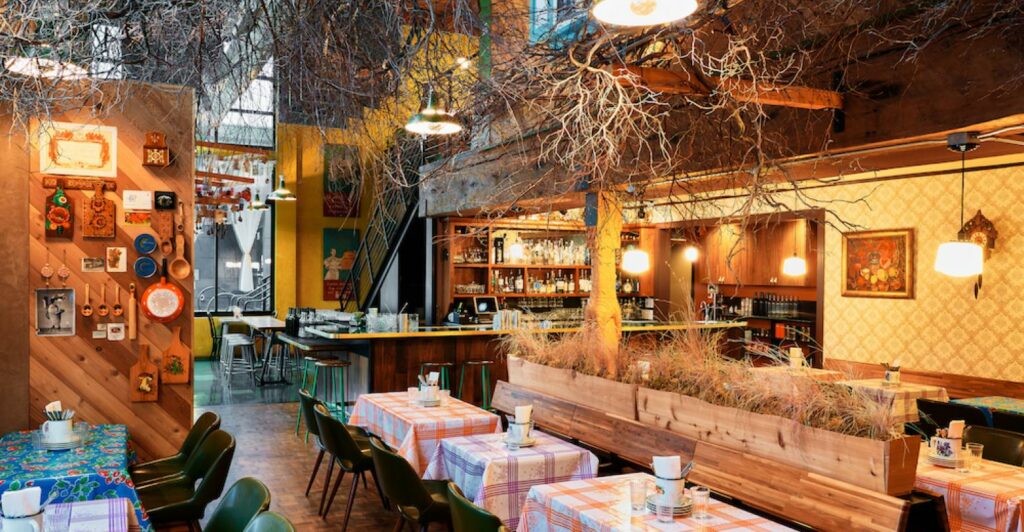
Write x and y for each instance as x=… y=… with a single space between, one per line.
x=350 y=453
x=172 y=465
x=418 y=501
x=468 y=517
x=270 y=522
x=307 y=407
x=244 y=500
x=183 y=498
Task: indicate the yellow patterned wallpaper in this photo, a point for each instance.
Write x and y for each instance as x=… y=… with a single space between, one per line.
x=943 y=328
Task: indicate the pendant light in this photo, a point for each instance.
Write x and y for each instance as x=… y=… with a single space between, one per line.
x=636 y=13
x=960 y=257
x=433 y=120
x=635 y=261
x=796 y=265
x=691 y=253
x=281 y=193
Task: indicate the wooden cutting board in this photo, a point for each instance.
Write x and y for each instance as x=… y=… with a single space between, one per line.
x=99 y=221
x=162 y=223
x=144 y=378
x=176 y=364
x=59 y=219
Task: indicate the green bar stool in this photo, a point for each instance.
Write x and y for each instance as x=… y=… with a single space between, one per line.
x=307 y=364
x=333 y=371
x=443 y=367
x=485 y=379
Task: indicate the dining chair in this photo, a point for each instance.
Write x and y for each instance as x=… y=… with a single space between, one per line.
x=183 y=498
x=927 y=512
x=1010 y=421
x=468 y=517
x=1000 y=445
x=173 y=465
x=937 y=414
x=244 y=500
x=307 y=408
x=419 y=502
x=352 y=455
x=270 y=522
x=214 y=337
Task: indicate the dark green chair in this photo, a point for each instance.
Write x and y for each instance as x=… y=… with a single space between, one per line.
x=468 y=517
x=352 y=454
x=419 y=501
x=307 y=407
x=183 y=498
x=246 y=499
x=215 y=336
x=270 y=522
x=147 y=472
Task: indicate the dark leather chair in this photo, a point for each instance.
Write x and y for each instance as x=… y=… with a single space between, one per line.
x=350 y=453
x=468 y=517
x=419 y=501
x=183 y=498
x=1000 y=445
x=937 y=414
x=1003 y=420
x=270 y=522
x=307 y=409
x=147 y=472
x=244 y=500
x=927 y=512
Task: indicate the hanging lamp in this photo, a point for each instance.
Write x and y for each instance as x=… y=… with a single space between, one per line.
x=635 y=261
x=691 y=253
x=433 y=120
x=281 y=193
x=636 y=13
x=960 y=257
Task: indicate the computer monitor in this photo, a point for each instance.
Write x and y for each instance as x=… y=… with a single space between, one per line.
x=485 y=305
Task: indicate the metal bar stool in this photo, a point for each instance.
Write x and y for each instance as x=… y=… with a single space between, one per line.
x=333 y=384
x=242 y=345
x=444 y=367
x=485 y=379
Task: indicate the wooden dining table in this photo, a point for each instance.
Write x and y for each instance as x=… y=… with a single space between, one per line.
x=902 y=397
x=988 y=498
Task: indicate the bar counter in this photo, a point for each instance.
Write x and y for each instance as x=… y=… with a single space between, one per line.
x=391 y=361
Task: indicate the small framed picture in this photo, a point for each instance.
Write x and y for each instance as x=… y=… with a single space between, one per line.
x=117 y=260
x=137 y=200
x=166 y=201
x=55 y=312
x=138 y=217
x=93 y=265
x=115 y=332
x=101 y=331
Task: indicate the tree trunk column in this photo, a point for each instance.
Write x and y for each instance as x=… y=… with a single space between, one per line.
x=603 y=314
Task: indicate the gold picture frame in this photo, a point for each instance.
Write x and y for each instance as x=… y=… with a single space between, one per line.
x=879 y=264
x=77 y=149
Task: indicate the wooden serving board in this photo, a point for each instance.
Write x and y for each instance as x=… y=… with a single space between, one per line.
x=144 y=379
x=162 y=223
x=59 y=218
x=176 y=364
x=99 y=220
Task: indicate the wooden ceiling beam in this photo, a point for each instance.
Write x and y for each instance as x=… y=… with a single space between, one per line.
x=679 y=82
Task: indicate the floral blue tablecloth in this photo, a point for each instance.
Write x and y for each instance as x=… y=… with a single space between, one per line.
x=988 y=404
x=97 y=470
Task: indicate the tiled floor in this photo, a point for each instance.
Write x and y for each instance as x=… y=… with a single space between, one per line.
x=213 y=388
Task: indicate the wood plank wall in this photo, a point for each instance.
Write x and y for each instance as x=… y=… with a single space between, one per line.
x=958 y=386
x=90 y=375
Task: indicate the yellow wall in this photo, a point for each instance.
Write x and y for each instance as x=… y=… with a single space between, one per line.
x=943 y=329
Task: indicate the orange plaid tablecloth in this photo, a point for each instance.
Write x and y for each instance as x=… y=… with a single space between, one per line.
x=602 y=504
x=985 y=499
x=902 y=397
x=415 y=431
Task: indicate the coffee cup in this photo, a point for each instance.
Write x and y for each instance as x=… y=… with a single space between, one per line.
x=32 y=523
x=58 y=431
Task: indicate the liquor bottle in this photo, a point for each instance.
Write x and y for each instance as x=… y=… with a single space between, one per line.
x=499 y=250
x=519 y=283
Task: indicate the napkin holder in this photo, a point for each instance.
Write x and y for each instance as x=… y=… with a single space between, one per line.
x=430 y=393
x=946 y=447
x=60 y=431
x=670 y=490
x=892 y=377
x=520 y=432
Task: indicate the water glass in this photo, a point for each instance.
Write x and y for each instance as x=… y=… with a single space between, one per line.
x=664 y=511
x=413 y=393
x=445 y=396
x=701 y=497
x=638 y=494
x=974 y=451
x=511 y=444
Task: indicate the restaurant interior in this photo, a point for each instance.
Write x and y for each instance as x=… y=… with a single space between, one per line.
x=534 y=265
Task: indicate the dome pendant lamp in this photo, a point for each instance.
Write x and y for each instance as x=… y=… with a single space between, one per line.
x=639 y=13
x=960 y=257
x=433 y=120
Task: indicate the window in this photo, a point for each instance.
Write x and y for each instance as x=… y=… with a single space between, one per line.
x=553 y=20
x=250 y=119
x=219 y=263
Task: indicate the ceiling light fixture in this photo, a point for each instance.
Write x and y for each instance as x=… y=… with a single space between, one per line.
x=643 y=12
x=282 y=193
x=433 y=121
x=635 y=261
x=44 y=67
x=961 y=257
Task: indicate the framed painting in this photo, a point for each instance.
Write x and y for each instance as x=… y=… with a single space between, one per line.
x=339 y=255
x=879 y=264
x=342 y=181
x=77 y=149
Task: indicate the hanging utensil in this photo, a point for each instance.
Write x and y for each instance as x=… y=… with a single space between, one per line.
x=180 y=268
x=163 y=302
x=63 y=273
x=133 y=320
x=46 y=272
x=103 y=309
x=117 y=310
x=180 y=226
x=87 y=307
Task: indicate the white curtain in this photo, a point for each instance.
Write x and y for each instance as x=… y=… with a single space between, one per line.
x=245 y=228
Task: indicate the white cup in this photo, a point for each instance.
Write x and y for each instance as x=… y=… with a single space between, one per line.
x=57 y=432
x=429 y=393
x=32 y=523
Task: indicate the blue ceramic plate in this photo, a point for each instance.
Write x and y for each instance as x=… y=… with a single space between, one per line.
x=145 y=267
x=145 y=244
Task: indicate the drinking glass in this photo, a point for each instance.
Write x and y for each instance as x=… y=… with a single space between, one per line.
x=511 y=444
x=445 y=395
x=638 y=494
x=413 y=393
x=701 y=500
x=664 y=512
x=974 y=451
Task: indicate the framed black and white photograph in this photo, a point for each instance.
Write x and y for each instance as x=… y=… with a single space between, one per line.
x=55 y=312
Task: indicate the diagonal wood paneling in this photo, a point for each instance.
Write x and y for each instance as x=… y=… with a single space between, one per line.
x=90 y=375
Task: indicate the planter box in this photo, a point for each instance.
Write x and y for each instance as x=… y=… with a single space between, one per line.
x=600 y=394
x=883 y=466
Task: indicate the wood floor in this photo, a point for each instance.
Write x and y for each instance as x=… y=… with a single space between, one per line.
x=269 y=450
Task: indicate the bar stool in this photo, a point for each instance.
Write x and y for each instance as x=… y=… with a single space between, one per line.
x=238 y=344
x=485 y=379
x=334 y=383
x=307 y=363
x=444 y=367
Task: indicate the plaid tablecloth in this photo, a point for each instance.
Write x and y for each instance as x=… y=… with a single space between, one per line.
x=97 y=470
x=985 y=499
x=903 y=397
x=416 y=431
x=113 y=515
x=498 y=480
x=825 y=375
x=602 y=504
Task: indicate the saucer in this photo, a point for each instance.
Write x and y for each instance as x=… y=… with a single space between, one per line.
x=677 y=511
x=530 y=442
x=74 y=442
x=428 y=402
x=942 y=461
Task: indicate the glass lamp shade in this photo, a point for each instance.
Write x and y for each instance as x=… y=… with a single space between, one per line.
x=691 y=253
x=794 y=266
x=282 y=193
x=959 y=259
x=516 y=253
x=636 y=261
x=643 y=12
x=433 y=121
x=41 y=61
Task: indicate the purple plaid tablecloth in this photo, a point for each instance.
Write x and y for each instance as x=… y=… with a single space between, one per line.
x=112 y=515
x=499 y=480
